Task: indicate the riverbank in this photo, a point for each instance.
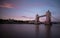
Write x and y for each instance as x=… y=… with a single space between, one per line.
x=21 y=22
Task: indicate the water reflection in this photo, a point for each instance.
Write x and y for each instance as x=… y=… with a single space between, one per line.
x=30 y=31
x=47 y=31
x=37 y=30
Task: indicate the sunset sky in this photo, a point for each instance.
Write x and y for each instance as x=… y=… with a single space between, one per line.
x=27 y=9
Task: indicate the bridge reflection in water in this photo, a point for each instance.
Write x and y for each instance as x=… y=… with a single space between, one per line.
x=37 y=31
x=47 y=31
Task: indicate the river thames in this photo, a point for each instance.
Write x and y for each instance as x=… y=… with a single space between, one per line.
x=30 y=31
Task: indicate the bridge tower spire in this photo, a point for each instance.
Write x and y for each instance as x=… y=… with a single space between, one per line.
x=37 y=19
x=48 y=17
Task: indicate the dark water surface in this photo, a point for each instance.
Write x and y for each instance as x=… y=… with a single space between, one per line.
x=30 y=31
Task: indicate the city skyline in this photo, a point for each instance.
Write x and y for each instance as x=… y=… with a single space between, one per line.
x=27 y=9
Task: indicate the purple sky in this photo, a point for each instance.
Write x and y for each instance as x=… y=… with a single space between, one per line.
x=27 y=9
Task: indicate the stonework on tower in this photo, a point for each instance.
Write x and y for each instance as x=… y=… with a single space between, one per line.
x=37 y=18
x=48 y=17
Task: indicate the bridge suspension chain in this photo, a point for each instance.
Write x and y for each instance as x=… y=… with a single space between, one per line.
x=55 y=18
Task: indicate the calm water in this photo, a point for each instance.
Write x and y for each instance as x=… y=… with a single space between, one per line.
x=30 y=31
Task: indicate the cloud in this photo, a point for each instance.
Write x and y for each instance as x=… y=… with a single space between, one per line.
x=7 y=5
x=26 y=17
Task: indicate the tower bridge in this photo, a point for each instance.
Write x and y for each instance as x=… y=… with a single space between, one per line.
x=47 y=15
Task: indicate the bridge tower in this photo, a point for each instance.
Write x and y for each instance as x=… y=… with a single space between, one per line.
x=48 y=17
x=37 y=19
